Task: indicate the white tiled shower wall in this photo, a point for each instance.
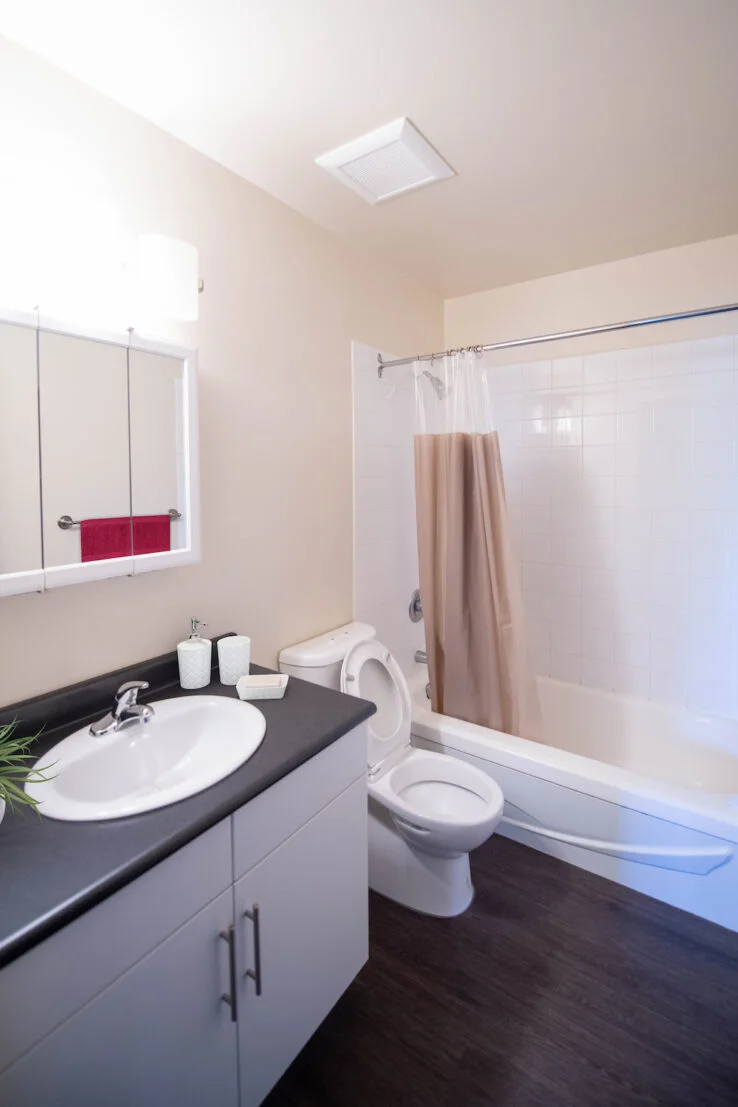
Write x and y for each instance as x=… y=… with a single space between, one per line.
x=620 y=470
x=620 y=476
x=385 y=547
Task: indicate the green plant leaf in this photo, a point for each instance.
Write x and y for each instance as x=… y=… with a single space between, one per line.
x=15 y=770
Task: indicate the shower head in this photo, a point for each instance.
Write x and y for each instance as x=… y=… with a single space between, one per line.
x=439 y=387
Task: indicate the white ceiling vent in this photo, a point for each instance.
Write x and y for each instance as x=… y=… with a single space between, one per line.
x=387 y=162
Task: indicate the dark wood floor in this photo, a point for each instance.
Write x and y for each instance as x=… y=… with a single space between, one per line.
x=556 y=988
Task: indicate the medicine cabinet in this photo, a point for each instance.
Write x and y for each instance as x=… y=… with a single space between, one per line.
x=98 y=455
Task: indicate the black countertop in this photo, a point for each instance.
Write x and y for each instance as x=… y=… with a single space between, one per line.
x=52 y=871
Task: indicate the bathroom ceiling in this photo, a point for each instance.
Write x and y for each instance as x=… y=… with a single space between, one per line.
x=581 y=131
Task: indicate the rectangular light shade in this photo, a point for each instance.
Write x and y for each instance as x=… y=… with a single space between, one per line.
x=388 y=162
x=168 y=277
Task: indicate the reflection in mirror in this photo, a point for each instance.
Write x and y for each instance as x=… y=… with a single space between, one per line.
x=20 y=496
x=84 y=449
x=156 y=386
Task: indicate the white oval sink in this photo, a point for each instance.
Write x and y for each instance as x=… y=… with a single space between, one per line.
x=189 y=744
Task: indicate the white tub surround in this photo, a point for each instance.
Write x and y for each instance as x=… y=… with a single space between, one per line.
x=638 y=792
x=385 y=545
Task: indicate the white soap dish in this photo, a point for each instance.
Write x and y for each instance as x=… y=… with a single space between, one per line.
x=262 y=686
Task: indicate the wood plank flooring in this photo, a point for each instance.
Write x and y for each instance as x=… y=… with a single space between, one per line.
x=556 y=989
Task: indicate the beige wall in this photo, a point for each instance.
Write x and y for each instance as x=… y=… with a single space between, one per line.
x=687 y=277
x=283 y=300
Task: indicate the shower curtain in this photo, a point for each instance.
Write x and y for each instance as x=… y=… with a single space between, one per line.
x=469 y=582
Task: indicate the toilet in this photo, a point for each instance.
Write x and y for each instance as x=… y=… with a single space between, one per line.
x=427 y=811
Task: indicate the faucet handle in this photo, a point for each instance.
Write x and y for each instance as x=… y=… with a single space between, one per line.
x=130 y=685
x=127 y=694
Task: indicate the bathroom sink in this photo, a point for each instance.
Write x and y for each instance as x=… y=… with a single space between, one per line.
x=189 y=744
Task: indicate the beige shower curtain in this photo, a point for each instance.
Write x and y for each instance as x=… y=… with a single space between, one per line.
x=469 y=582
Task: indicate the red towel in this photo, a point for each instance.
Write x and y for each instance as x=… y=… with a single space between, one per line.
x=105 y=538
x=151 y=533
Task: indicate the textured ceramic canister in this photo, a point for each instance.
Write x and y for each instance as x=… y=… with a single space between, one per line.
x=234 y=658
x=194 y=662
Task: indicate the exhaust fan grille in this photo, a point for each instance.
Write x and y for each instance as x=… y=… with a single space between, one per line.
x=387 y=162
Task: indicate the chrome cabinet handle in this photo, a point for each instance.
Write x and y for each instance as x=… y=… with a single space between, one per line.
x=231 y=998
x=255 y=973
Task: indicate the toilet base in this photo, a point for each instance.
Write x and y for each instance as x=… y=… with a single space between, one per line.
x=432 y=885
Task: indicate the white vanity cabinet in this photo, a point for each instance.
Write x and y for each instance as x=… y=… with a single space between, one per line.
x=299 y=939
x=133 y=1003
x=158 y=1035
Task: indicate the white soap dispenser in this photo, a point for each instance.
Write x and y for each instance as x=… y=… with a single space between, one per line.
x=194 y=657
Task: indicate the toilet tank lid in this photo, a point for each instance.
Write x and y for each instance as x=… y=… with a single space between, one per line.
x=325 y=649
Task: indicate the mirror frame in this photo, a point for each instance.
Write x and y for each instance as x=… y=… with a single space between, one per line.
x=39 y=580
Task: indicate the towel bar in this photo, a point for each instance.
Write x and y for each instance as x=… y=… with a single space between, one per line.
x=66 y=522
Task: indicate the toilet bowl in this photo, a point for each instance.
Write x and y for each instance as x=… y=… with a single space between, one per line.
x=427 y=811
x=439 y=803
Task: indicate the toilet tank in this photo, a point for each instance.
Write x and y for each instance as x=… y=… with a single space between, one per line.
x=320 y=659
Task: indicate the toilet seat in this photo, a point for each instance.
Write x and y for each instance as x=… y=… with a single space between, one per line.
x=437 y=791
x=429 y=795
x=439 y=803
x=371 y=672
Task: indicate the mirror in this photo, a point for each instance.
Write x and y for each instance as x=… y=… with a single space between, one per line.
x=21 y=565
x=84 y=450
x=98 y=457
x=156 y=386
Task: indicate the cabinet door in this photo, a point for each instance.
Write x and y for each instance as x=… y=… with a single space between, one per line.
x=158 y=478
x=161 y=1034
x=306 y=942
x=85 y=468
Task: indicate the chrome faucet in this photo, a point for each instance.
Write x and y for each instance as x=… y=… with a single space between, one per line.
x=127 y=710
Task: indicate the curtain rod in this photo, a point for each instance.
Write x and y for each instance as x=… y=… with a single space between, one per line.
x=605 y=329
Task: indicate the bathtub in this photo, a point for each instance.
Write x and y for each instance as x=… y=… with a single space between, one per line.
x=635 y=791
